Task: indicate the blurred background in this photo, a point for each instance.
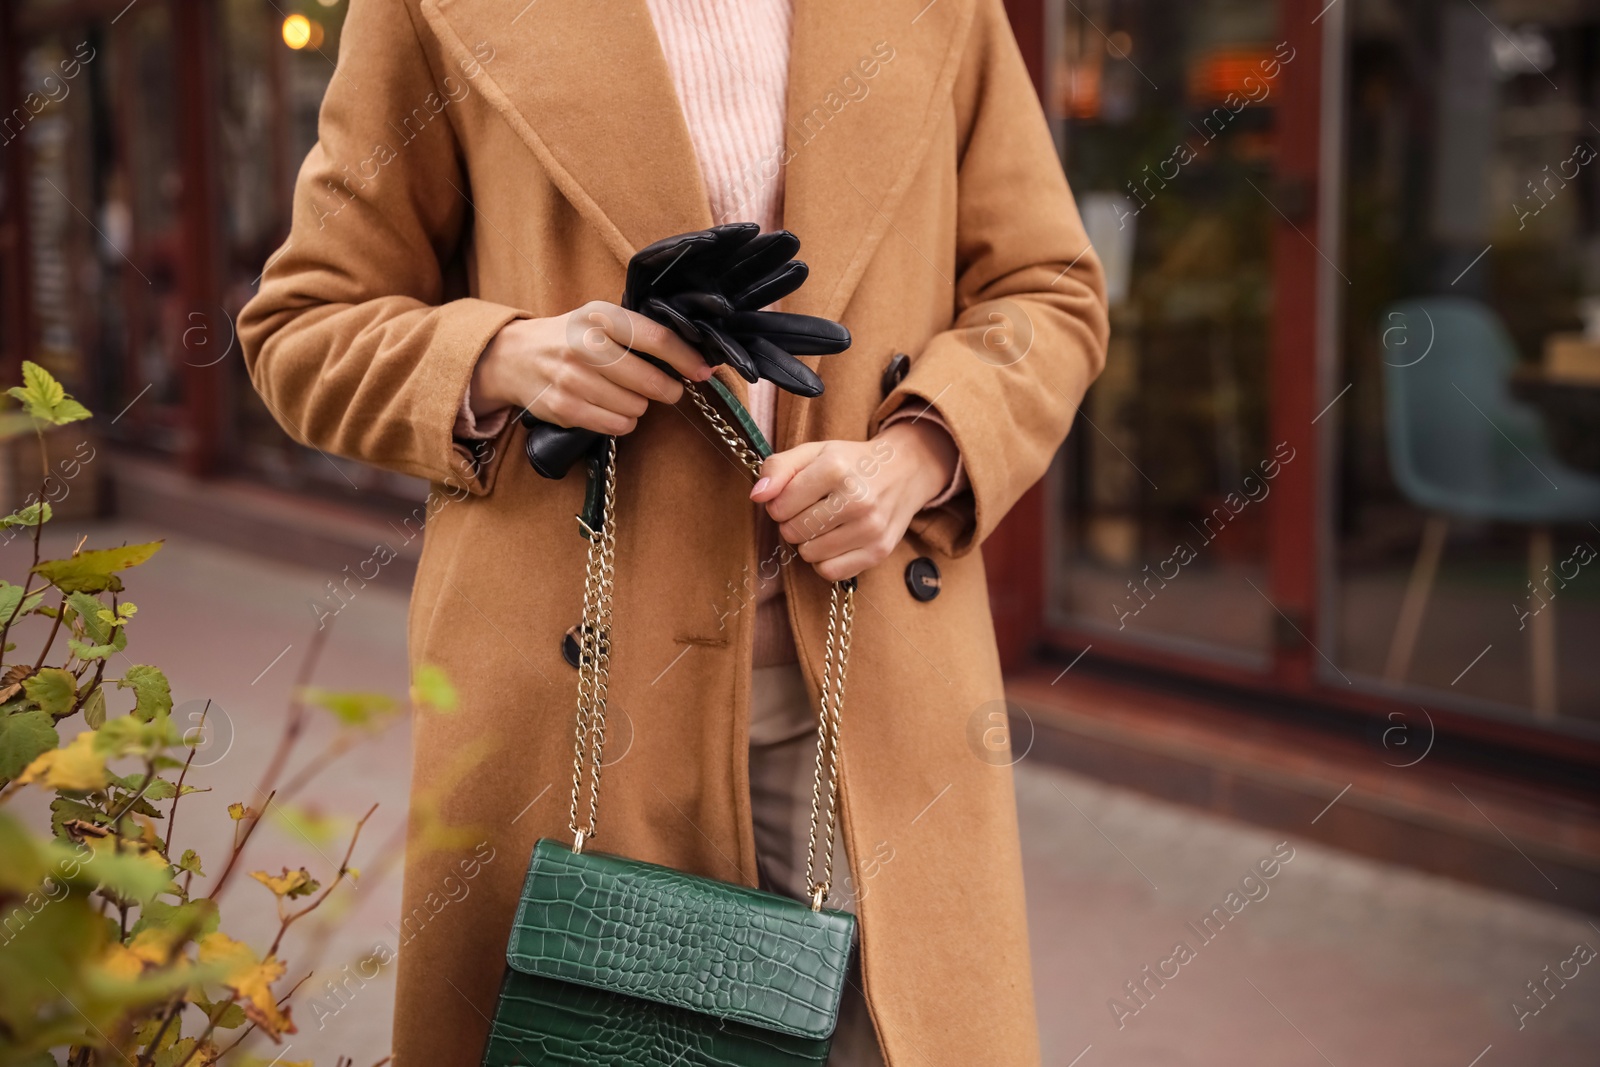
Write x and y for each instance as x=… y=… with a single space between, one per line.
x=1320 y=559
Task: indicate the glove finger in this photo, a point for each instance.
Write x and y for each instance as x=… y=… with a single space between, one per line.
x=700 y=304
x=773 y=287
x=802 y=335
x=731 y=237
x=674 y=320
x=686 y=261
x=782 y=369
x=647 y=266
x=731 y=352
x=757 y=259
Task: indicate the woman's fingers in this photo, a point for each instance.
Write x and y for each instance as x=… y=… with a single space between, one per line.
x=779 y=470
x=828 y=471
x=640 y=334
x=848 y=565
x=566 y=407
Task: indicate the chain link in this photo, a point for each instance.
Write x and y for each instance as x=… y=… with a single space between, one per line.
x=835 y=659
x=594 y=652
x=594 y=663
x=730 y=436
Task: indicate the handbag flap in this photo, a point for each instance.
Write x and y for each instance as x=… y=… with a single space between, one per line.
x=642 y=930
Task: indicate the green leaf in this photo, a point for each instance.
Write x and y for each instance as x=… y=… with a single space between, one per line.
x=94 y=571
x=10 y=597
x=24 y=737
x=28 y=516
x=94 y=709
x=198 y=917
x=53 y=689
x=190 y=861
x=94 y=652
x=152 y=693
x=225 y=1016
x=431 y=688
x=130 y=875
x=64 y=809
x=160 y=789
x=24 y=860
x=44 y=398
x=352 y=709
x=88 y=610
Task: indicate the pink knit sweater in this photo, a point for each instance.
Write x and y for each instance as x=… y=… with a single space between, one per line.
x=730 y=65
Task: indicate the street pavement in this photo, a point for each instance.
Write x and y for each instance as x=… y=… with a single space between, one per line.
x=1330 y=960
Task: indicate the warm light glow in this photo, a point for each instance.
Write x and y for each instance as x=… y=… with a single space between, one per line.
x=297 y=31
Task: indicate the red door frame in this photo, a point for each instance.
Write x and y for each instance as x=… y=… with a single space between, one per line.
x=1016 y=554
x=195 y=40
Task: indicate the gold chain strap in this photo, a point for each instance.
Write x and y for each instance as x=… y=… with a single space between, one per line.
x=730 y=436
x=594 y=651
x=595 y=657
x=835 y=658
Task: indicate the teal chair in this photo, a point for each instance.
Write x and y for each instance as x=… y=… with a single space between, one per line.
x=1461 y=446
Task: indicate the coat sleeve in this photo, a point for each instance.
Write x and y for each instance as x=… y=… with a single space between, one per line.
x=1030 y=330
x=349 y=340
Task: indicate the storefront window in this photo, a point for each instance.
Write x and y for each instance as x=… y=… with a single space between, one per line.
x=280 y=61
x=1468 y=496
x=1166 y=117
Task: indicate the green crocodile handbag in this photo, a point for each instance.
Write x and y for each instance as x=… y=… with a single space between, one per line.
x=619 y=963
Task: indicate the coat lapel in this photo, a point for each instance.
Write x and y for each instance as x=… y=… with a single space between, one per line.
x=854 y=142
x=587 y=88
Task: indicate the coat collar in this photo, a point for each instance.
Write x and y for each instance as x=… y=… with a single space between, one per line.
x=586 y=87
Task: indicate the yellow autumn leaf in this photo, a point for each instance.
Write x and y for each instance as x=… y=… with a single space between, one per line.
x=153 y=945
x=250 y=978
x=288 y=884
x=122 y=963
x=73 y=766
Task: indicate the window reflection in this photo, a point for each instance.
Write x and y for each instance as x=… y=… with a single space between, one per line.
x=1166 y=118
x=1469 y=509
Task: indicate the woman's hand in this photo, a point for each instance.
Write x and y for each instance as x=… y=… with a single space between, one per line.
x=580 y=369
x=847 y=503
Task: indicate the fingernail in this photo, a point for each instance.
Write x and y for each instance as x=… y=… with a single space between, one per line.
x=762 y=484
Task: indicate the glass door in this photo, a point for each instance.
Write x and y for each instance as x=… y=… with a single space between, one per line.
x=1169 y=118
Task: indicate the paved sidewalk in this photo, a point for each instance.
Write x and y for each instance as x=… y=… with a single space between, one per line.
x=1337 y=961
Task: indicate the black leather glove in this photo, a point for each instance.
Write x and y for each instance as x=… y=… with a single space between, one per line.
x=705 y=286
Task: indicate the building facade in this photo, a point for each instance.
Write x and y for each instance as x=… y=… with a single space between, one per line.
x=1344 y=452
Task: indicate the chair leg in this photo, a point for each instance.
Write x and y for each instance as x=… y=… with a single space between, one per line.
x=1415 y=603
x=1543 y=627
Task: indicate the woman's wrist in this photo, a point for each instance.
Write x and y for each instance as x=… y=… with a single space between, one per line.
x=931 y=452
x=488 y=390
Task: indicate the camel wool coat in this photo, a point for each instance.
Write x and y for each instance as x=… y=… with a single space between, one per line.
x=484 y=160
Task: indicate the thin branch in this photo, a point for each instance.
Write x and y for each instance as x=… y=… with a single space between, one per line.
x=252 y=1027
x=318 y=763
x=27 y=586
x=54 y=629
x=238 y=848
x=172 y=814
x=344 y=867
x=297 y=712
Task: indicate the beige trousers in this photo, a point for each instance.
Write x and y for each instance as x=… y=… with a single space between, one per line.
x=783 y=754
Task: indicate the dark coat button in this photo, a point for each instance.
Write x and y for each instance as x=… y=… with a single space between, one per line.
x=922 y=578
x=895 y=372
x=571 y=650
